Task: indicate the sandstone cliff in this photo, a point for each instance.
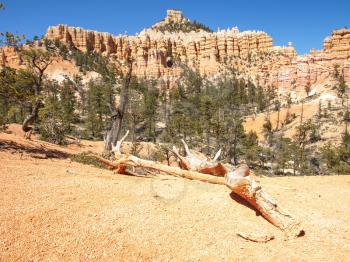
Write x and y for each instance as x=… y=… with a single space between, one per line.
x=152 y=48
x=250 y=52
x=317 y=67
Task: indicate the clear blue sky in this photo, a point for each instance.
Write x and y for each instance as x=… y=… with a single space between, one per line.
x=305 y=23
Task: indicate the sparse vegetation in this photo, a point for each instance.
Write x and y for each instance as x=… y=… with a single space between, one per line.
x=185 y=27
x=207 y=114
x=87 y=159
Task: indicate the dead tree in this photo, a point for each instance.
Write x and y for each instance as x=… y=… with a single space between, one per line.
x=78 y=87
x=117 y=114
x=194 y=163
x=240 y=180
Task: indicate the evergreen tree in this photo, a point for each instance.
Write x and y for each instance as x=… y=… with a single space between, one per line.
x=267 y=129
x=150 y=105
x=53 y=127
x=278 y=109
x=261 y=99
x=234 y=137
x=342 y=88
x=251 y=150
x=97 y=108
x=68 y=104
x=37 y=62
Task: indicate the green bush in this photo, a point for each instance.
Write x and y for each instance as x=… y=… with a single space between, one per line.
x=52 y=130
x=86 y=159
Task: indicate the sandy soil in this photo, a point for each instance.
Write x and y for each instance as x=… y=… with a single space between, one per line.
x=54 y=209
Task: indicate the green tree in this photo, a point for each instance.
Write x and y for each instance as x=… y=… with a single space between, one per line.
x=97 y=108
x=267 y=130
x=68 y=104
x=278 y=109
x=251 y=150
x=206 y=111
x=330 y=156
x=235 y=137
x=342 y=88
x=53 y=125
x=282 y=153
x=150 y=105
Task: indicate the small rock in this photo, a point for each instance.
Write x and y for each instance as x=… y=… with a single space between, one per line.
x=70 y=172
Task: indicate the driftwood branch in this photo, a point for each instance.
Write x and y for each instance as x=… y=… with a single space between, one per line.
x=256 y=238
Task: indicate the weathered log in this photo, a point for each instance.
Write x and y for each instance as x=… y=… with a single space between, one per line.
x=130 y=160
x=244 y=185
x=240 y=180
x=38 y=155
x=194 y=163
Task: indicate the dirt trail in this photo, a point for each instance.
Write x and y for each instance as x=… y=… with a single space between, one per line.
x=55 y=209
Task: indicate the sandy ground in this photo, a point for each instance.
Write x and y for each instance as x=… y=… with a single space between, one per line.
x=330 y=130
x=55 y=210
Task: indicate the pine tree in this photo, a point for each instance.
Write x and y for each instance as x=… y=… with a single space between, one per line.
x=37 y=62
x=268 y=130
x=52 y=126
x=251 y=149
x=150 y=105
x=278 y=109
x=97 y=108
x=68 y=104
x=234 y=137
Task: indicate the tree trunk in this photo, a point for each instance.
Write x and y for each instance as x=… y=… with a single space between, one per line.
x=112 y=135
x=134 y=161
x=278 y=119
x=29 y=120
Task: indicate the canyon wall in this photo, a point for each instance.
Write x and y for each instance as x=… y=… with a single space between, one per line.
x=151 y=49
x=316 y=68
x=157 y=53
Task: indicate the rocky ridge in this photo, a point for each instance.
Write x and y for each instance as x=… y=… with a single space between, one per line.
x=252 y=53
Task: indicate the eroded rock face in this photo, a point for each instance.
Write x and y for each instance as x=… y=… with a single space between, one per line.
x=338 y=45
x=9 y=57
x=151 y=49
x=174 y=16
x=315 y=68
x=159 y=53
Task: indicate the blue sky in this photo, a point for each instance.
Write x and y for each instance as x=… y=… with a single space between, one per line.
x=305 y=23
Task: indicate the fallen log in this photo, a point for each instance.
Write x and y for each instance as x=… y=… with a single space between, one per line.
x=243 y=184
x=239 y=181
x=130 y=160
